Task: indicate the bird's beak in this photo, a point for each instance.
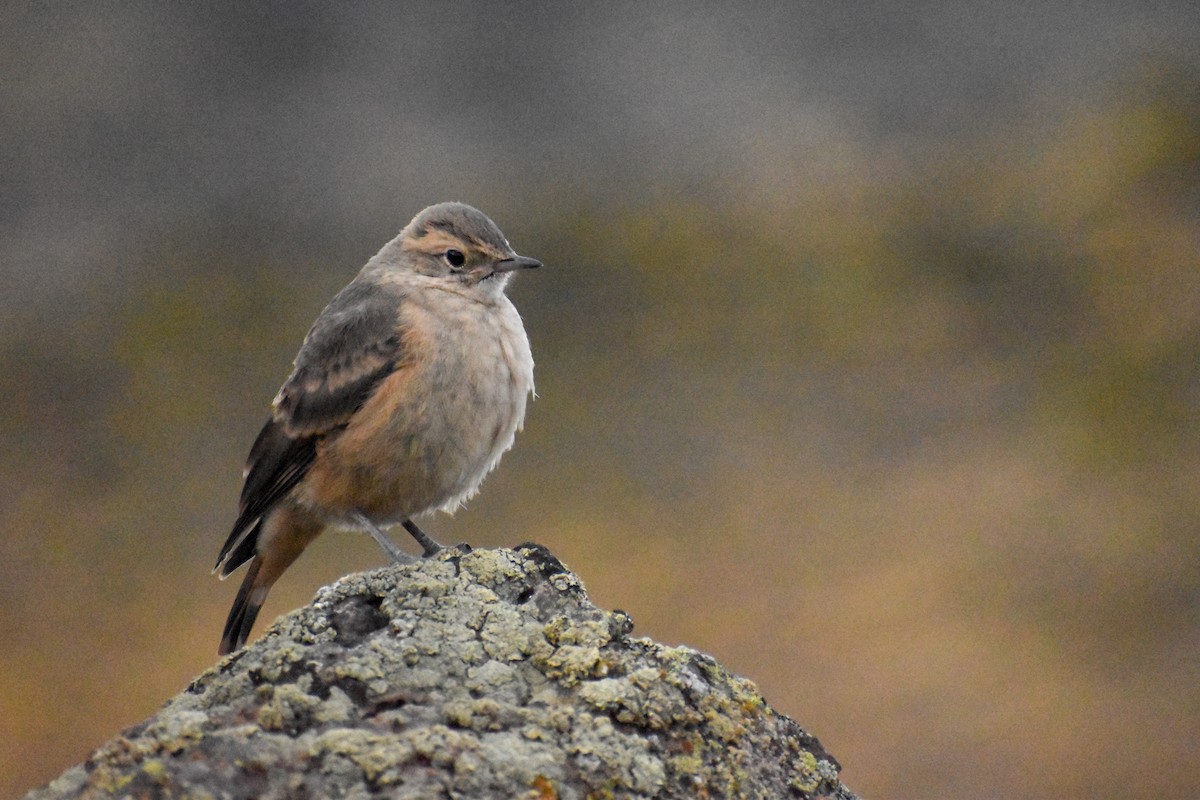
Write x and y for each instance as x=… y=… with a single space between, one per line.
x=516 y=262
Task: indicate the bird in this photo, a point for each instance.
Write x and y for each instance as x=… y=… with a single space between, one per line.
x=407 y=390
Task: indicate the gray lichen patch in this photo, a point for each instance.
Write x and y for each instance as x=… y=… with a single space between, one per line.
x=479 y=675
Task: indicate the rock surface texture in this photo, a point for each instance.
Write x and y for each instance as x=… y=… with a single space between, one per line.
x=484 y=675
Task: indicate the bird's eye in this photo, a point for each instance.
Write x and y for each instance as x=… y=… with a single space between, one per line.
x=455 y=258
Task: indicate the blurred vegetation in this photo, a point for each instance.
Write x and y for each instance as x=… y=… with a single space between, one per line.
x=913 y=445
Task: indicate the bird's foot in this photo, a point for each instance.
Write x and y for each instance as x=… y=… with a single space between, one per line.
x=427 y=542
x=429 y=545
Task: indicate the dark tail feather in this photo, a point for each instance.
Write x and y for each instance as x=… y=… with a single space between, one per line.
x=241 y=618
x=290 y=530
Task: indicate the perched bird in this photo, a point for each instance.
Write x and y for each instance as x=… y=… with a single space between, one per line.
x=407 y=390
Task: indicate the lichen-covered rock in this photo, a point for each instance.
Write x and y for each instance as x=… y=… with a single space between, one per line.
x=484 y=675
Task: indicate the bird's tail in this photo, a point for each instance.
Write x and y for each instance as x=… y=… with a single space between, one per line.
x=285 y=533
x=249 y=600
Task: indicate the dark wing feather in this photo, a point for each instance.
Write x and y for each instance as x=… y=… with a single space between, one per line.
x=354 y=344
x=277 y=463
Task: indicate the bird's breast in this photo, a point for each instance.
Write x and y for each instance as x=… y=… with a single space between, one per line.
x=433 y=429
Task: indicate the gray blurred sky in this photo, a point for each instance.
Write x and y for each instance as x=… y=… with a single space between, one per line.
x=130 y=127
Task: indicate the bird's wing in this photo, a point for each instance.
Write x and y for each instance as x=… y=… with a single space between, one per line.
x=355 y=343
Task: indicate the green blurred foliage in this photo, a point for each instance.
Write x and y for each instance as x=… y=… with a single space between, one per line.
x=914 y=446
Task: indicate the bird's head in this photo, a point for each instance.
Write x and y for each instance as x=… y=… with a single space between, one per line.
x=459 y=244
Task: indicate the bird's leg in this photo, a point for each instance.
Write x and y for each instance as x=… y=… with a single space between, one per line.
x=397 y=555
x=432 y=548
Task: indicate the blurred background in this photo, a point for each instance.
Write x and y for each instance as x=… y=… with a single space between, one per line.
x=868 y=347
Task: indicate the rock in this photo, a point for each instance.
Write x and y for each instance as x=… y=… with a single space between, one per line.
x=480 y=675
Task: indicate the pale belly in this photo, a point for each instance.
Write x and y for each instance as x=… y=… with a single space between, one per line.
x=433 y=430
